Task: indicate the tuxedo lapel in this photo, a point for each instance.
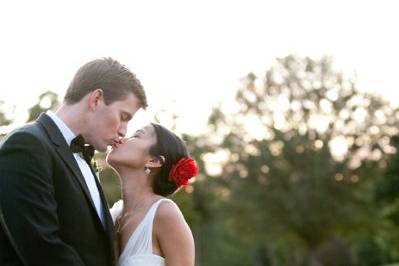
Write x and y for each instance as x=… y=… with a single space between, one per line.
x=109 y=225
x=68 y=158
x=66 y=154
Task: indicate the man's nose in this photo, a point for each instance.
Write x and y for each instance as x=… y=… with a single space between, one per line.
x=122 y=130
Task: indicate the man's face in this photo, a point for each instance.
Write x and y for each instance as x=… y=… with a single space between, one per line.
x=108 y=123
x=134 y=152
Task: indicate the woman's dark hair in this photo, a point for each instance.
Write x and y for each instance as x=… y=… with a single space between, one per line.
x=172 y=148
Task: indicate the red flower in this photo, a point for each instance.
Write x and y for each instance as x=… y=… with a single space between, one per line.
x=182 y=171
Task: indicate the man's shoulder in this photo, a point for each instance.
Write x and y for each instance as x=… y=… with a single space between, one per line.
x=31 y=131
x=32 y=128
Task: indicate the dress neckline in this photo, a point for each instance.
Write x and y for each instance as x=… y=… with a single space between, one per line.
x=131 y=237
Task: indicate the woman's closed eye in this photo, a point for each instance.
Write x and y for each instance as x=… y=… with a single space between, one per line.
x=134 y=136
x=138 y=133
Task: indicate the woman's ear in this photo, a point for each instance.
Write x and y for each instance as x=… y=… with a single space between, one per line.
x=155 y=162
x=162 y=158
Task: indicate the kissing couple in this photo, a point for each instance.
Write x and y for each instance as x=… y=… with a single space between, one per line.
x=53 y=211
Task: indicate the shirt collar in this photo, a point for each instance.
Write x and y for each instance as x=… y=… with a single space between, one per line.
x=65 y=130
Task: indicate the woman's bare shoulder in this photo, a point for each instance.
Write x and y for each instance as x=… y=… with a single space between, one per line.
x=168 y=211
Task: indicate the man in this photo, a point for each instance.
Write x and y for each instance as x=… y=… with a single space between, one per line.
x=52 y=208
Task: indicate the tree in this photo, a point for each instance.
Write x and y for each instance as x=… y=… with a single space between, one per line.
x=301 y=156
x=47 y=100
x=4 y=121
x=387 y=196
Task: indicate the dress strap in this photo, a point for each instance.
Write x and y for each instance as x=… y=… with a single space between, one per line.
x=149 y=224
x=140 y=242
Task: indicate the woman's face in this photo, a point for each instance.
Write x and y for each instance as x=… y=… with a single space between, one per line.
x=133 y=152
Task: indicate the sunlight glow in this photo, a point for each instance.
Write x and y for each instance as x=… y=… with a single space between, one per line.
x=215 y=161
x=338 y=147
x=182 y=58
x=319 y=122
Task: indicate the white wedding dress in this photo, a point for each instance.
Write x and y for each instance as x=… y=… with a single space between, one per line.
x=138 y=249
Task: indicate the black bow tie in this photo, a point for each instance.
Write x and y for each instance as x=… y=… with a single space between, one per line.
x=78 y=145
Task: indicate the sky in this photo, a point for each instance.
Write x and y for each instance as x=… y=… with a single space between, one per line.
x=190 y=55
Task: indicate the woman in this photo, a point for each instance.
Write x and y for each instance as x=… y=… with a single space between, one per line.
x=151 y=230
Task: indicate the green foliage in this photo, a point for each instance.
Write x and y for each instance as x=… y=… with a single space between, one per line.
x=4 y=121
x=387 y=190
x=111 y=184
x=284 y=181
x=47 y=100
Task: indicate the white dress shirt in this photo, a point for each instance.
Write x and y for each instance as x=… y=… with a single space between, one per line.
x=84 y=167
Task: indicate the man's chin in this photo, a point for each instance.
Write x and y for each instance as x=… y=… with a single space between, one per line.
x=102 y=148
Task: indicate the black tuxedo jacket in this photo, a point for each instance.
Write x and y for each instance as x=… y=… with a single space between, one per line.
x=47 y=216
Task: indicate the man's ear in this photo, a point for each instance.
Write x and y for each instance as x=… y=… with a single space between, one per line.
x=94 y=98
x=155 y=162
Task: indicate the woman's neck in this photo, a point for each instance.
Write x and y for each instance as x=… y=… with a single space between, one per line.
x=137 y=192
